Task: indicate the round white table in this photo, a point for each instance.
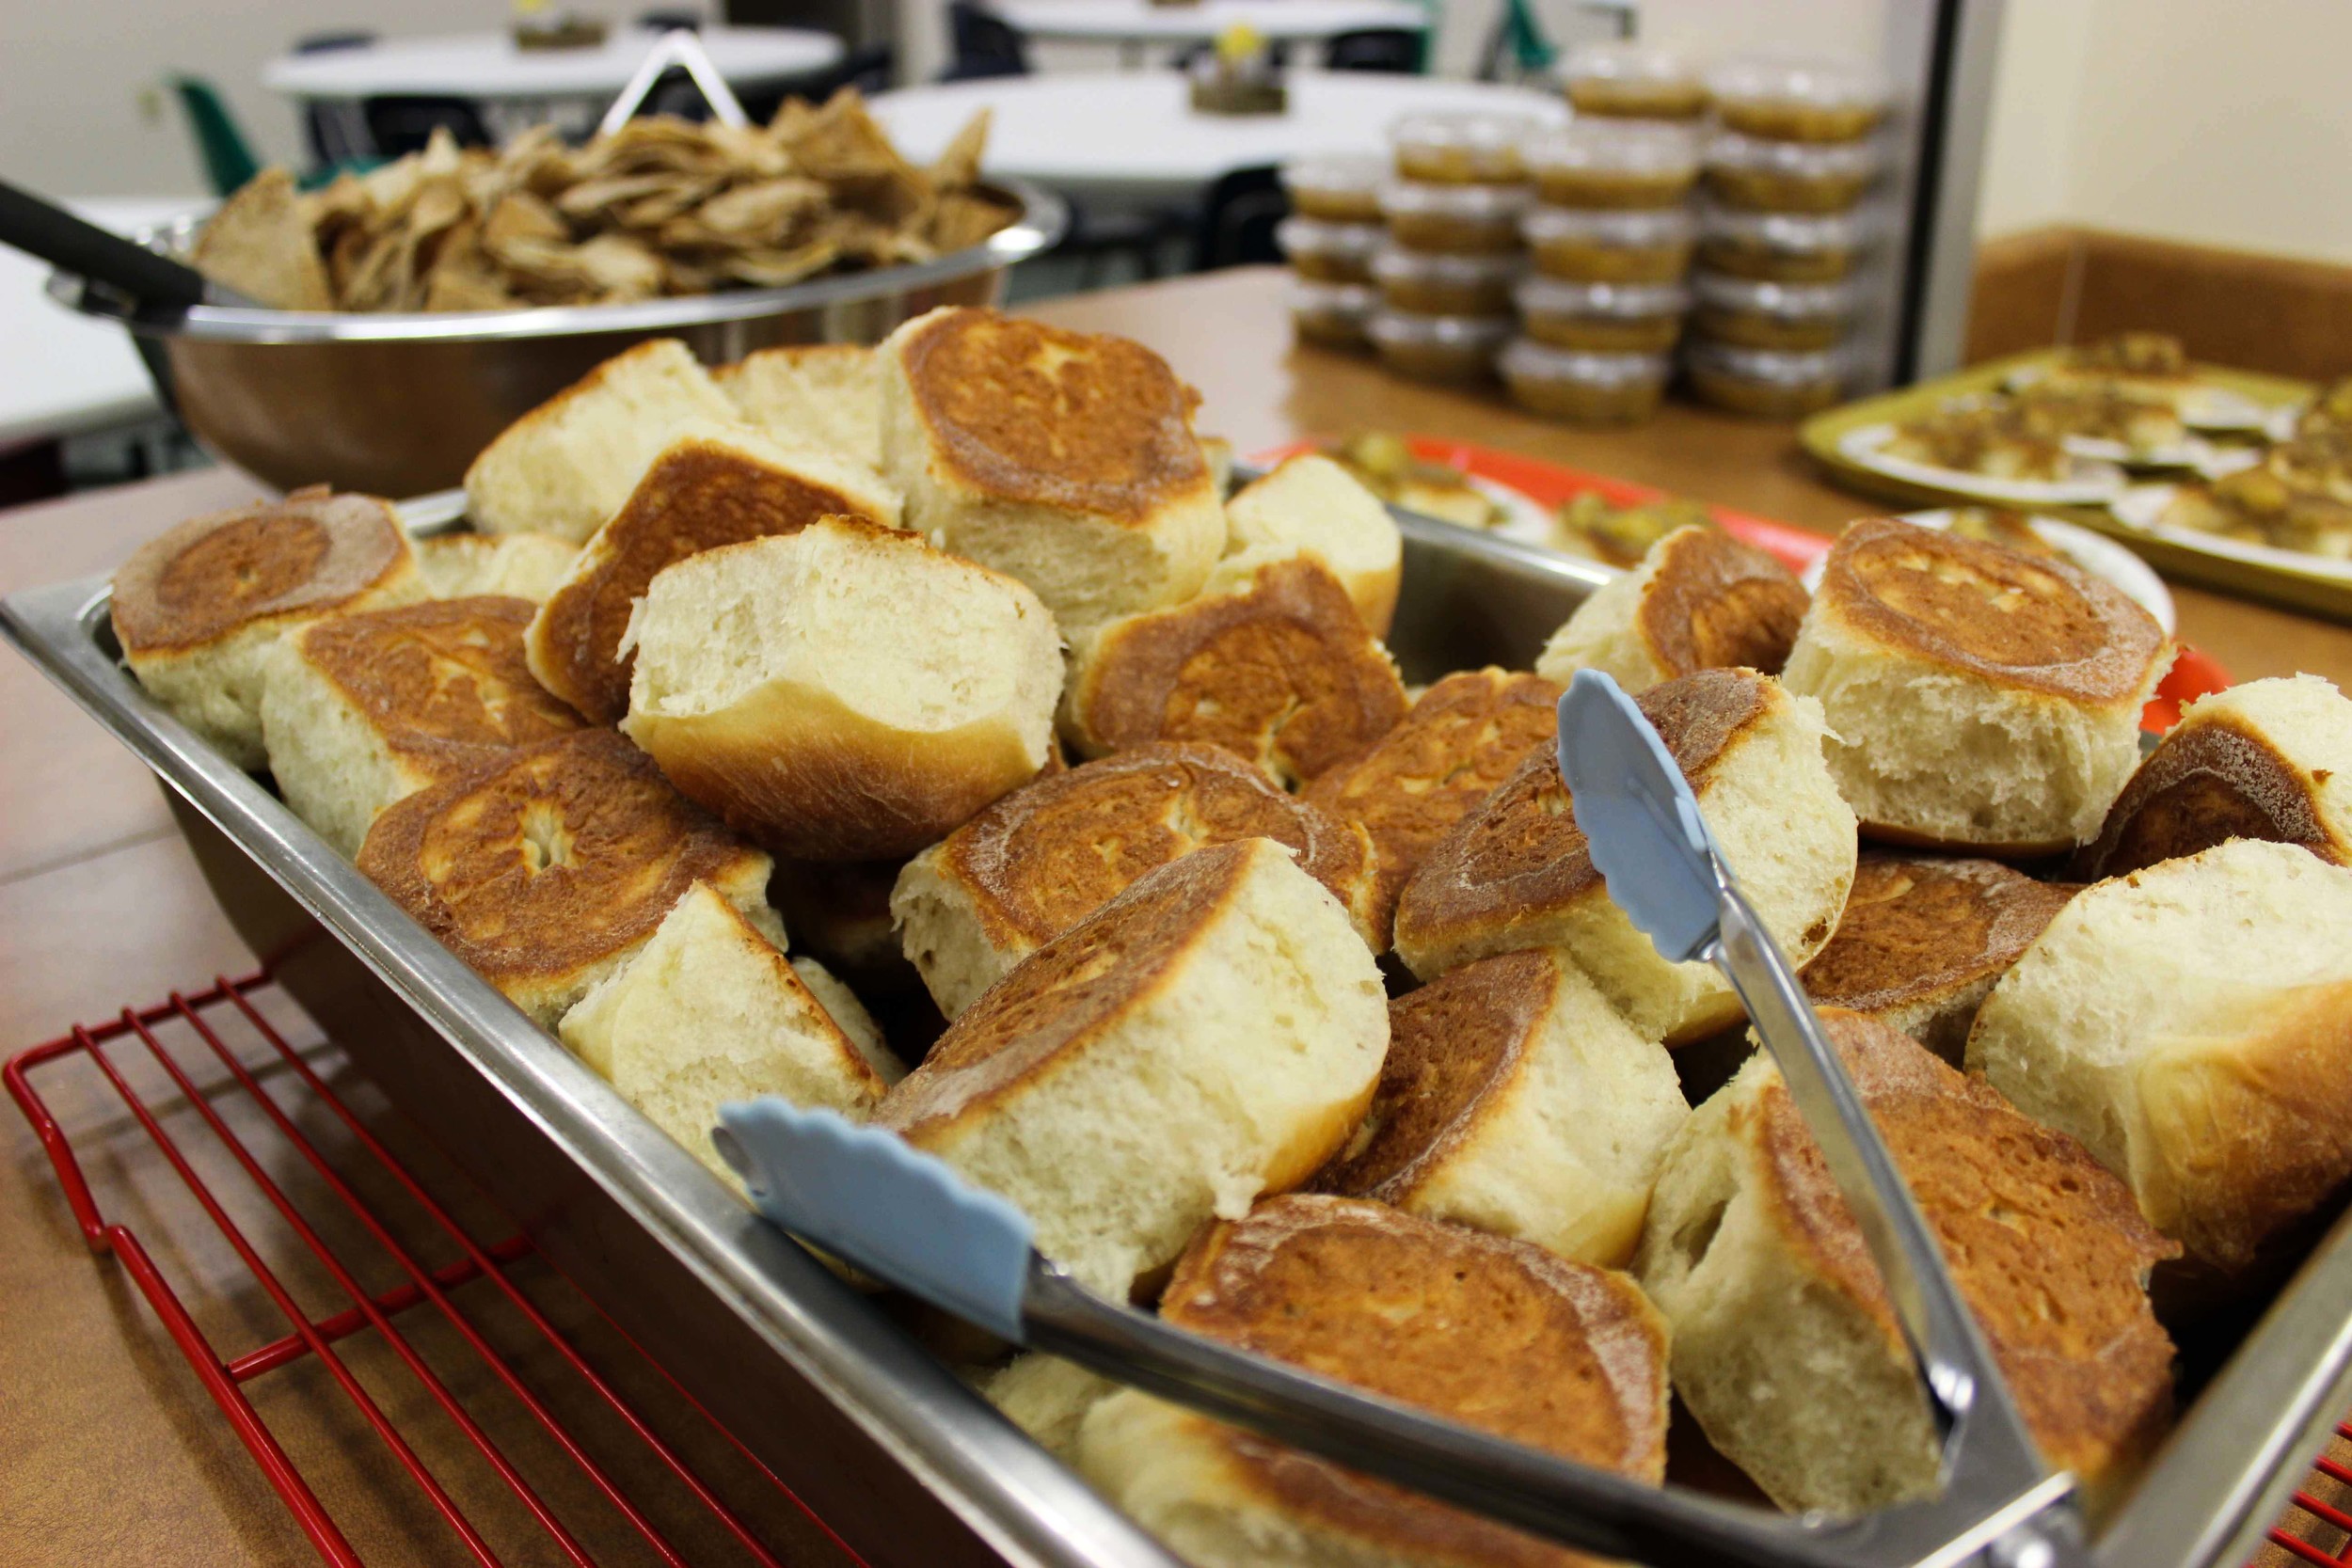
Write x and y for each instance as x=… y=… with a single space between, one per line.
x=1114 y=139
x=1140 y=21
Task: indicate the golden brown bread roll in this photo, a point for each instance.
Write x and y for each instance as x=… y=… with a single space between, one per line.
x=825 y=397
x=1699 y=599
x=1310 y=502
x=1487 y=1332
x=199 y=609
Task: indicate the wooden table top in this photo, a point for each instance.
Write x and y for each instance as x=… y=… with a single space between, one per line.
x=109 y=1450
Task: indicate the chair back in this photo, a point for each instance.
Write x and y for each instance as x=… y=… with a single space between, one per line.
x=220 y=143
x=1399 y=50
x=1238 y=220
x=402 y=124
x=984 y=44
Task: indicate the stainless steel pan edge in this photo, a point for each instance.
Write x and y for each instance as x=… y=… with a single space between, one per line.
x=2204 y=1502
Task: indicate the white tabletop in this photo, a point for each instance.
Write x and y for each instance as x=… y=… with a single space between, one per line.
x=1134 y=136
x=62 y=374
x=1140 y=21
x=488 y=65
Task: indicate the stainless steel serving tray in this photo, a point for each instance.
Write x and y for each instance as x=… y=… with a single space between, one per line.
x=886 y=1445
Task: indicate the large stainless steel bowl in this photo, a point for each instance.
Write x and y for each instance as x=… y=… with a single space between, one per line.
x=398 y=403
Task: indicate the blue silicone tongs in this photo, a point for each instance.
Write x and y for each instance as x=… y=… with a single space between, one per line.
x=907 y=1219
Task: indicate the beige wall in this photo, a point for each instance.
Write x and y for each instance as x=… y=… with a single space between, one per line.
x=2188 y=120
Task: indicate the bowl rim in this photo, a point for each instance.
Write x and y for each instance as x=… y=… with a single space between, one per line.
x=1044 y=218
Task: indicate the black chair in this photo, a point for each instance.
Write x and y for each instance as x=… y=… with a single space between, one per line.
x=401 y=125
x=1397 y=50
x=670 y=21
x=984 y=44
x=1237 y=224
x=871 y=69
x=327 y=130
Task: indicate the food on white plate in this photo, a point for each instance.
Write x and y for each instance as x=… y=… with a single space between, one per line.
x=199 y=608
x=1589 y=524
x=1700 y=599
x=2271 y=504
x=1989 y=437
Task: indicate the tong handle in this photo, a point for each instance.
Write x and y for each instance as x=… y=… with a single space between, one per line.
x=41 y=228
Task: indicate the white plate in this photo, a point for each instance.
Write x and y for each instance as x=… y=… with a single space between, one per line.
x=2101 y=557
x=2196 y=455
x=2142 y=507
x=2091 y=483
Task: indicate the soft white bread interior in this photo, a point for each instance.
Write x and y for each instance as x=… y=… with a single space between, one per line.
x=199 y=609
x=1047 y=1398
x=709 y=1010
x=1517 y=872
x=1976 y=698
x=1785 y=1349
x=2269 y=759
x=363 y=709
x=2191 y=1023
x=1064 y=459
x=1211 y=1034
x=518 y=565
x=1312 y=502
x=711 y=485
x=1495 y=1334
x=845 y=693
x=1697 y=599
x=826 y=397
x=1515 y=1099
x=566 y=466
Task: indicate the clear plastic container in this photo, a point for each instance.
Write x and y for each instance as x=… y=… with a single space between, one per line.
x=1765 y=383
x=1779 y=247
x=1580 y=387
x=1788 y=176
x=1642 y=245
x=1462 y=147
x=1798 y=100
x=1330 y=252
x=1437 y=283
x=1602 y=318
x=1462 y=219
x=1752 y=314
x=1336 y=187
x=1438 y=348
x=1626 y=81
x=1333 y=314
x=1614 y=162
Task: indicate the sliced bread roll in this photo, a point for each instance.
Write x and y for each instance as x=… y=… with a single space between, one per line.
x=518 y=565
x=1310 y=502
x=1515 y=1101
x=1699 y=600
x=1062 y=458
x=1271 y=662
x=2192 y=1024
x=547 y=869
x=820 y=397
x=1785 y=1349
x=709 y=1010
x=1517 y=873
x=1494 y=1334
x=1057 y=849
x=1461 y=737
x=1977 y=698
x=1923 y=939
x=711 y=485
x=199 y=609
x=1047 y=1398
x=845 y=693
x=2271 y=759
x=1211 y=1034
x=363 y=709
x=566 y=466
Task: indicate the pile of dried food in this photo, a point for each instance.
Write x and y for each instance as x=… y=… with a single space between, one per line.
x=662 y=206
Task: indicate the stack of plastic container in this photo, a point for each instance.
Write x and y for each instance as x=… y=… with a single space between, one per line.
x=1452 y=254
x=1787 y=164
x=1333 y=231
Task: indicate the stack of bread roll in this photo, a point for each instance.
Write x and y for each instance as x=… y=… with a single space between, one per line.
x=1283 y=996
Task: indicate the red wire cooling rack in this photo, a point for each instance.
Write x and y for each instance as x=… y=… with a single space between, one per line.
x=223 y=1028
x=2320 y=1521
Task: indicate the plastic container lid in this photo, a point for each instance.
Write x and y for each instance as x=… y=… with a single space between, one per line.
x=1786 y=301
x=1525 y=357
x=1483 y=133
x=1473 y=203
x=1625 y=62
x=1397 y=264
x=1805 y=232
x=1773 y=366
x=1634 y=228
x=1614 y=146
x=1312 y=293
x=1317 y=237
x=1336 y=173
x=1819 y=84
x=1539 y=295
x=1802 y=160
x=1404 y=328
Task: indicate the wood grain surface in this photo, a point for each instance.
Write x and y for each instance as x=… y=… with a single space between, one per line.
x=109 y=1450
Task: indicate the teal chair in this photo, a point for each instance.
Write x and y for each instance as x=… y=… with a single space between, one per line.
x=1519 y=40
x=228 y=157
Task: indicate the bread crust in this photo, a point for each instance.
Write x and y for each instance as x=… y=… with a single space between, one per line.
x=1715 y=603
x=697 y=495
x=217 y=574
x=543 y=868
